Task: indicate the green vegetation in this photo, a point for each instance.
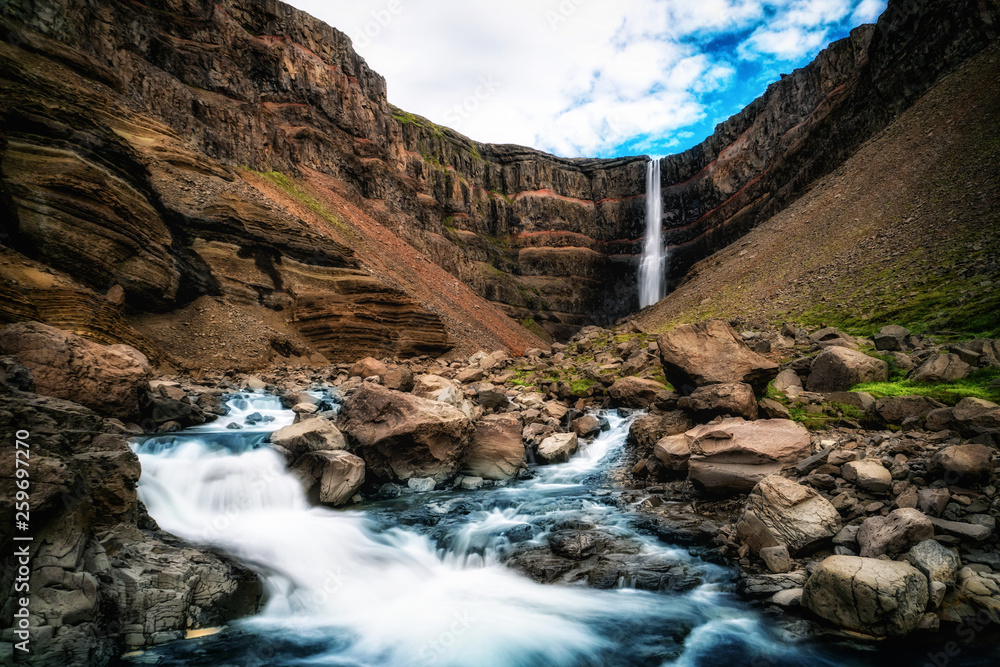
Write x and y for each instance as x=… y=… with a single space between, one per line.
x=534 y=327
x=981 y=384
x=292 y=189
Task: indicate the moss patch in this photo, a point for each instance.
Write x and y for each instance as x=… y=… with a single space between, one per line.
x=978 y=385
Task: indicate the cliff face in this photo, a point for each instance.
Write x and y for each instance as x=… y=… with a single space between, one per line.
x=242 y=152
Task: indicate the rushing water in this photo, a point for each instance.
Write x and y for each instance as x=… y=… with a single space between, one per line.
x=653 y=267
x=355 y=588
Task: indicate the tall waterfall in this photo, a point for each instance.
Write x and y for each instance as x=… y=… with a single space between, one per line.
x=653 y=269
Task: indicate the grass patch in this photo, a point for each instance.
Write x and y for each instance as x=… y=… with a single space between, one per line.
x=979 y=384
x=291 y=188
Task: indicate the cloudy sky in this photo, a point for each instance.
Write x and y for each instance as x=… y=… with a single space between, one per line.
x=587 y=77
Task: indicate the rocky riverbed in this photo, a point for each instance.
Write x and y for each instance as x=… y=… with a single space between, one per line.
x=851 y=515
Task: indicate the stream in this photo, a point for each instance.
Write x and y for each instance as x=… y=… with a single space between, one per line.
x=418 y=580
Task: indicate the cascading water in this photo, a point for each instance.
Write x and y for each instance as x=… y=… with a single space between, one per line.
x=354 y=588
x=652 y=268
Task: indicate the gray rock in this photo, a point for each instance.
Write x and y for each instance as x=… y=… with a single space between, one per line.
x=893 y=534
x=937 y=562
x=941 y=368
x=839 y=369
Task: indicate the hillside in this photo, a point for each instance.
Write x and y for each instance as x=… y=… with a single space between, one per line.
x=906 y=231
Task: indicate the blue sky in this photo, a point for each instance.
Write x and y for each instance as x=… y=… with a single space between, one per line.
x=595 y=78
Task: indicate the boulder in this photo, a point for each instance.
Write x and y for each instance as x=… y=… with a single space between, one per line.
x=731 y=399
x=937 y=562
x=965 y=464
x=106 y=379
x=399 y=378
x=788 y=382
x=647 y=430
x=15 y=375
x=496 y=450
x=368 y=367
x=695 y=355
x=492 y=397
x=839 y=369
x=867 y=595
x=975 y=413
x=896 y=409
x=893 y=534
x=892 y=338
x=988 y=351
x=402 y=436
x=673 y=452
x=437 y=388
x=734 y=455
x=777 y=559
x=586 y=426
x=633 y=392
x=941 y=368
x=557 y=448
x=330 y=477
x=311 y=435
x=868 y=474
x=793 y=515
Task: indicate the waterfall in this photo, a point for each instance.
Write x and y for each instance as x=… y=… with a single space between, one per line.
x=653 y=269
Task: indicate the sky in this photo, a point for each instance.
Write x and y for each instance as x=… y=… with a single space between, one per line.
x=587 y=78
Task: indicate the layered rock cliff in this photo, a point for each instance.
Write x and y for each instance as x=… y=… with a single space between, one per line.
x=239 y=162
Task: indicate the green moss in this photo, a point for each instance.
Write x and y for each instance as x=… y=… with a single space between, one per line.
x=534 y=327
x=978 y=385
x=580 y=387
x=290 y=187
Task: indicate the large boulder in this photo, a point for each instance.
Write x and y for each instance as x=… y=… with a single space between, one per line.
x=695 y=355
x=558 y=448
x=402 y=436
x=437 y=388
x=892 y=338
x=896 y=409
x=941 y=368
x=496 y=450
x=975 y=413
x=936 y=561
x=330 y=478
x=368 y=367
x=673 y=452
x=839 y=369
x=966 y=464
x=734 y=455
x=312 y=435
x=893 y=534
x=733 y=399
x=867 y=595
x=788 y=513
x=633 y=392
x=988 y=351
x=106 y=379
x=868 y=474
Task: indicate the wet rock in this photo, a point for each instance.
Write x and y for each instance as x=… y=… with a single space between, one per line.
x=867 y=595
x=694 y=355
x=312 y=435
x=573 y=544
x=586 y=426
x=557 y=448
x=731 y=399
x=893 y=534
x=979 y=593
x=935 y=561
x=496 y=450
x=420 y=484
x=791 y=514
x=839 y=369
x=330 y=477
x=647 y=430
x=868 y=474
x=402 y=436
x=941 y=368
x=471 y=483
x=107 y=379
x=763 y=585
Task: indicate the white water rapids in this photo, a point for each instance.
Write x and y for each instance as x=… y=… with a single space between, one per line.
x=343 y=590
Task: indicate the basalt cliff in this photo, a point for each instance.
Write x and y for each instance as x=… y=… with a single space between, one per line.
x=225 y=184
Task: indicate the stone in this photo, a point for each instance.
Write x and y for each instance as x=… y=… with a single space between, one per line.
x=941 y=368
x=492 y=397
x=788 y=382
x=988 y=351
x=964 y=531
x=933 y=501
x=633 y=392
x=399 y=378
x=893 y=534
x=896 y=409
x=437 y=388
x=555 y=410
x=368 y=367
x=730 y=399
x=420 y=484
x=694 y=355
x=972 y=414
x=772 y=409
x=964 y=464
x=794 y=515
x=867 y=595
x=787 y=598
x=673 y=452
x=330 y=477
x=402 y=435
x=471 y=483
x=106 y=379
x=840 y=369
x=586 y=426
x=892 y=338
x=15 y=375
x=311 y=435
x=468 y=375
x=938 y=563
x=868 y=474
x=776 y=559
x=734 y=455
x=497 y=450
x=557 y=448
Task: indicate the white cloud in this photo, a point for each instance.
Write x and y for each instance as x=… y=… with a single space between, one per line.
x=576 y=77
x=868 y=11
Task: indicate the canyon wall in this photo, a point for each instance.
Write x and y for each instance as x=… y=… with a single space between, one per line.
x=184 y=149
